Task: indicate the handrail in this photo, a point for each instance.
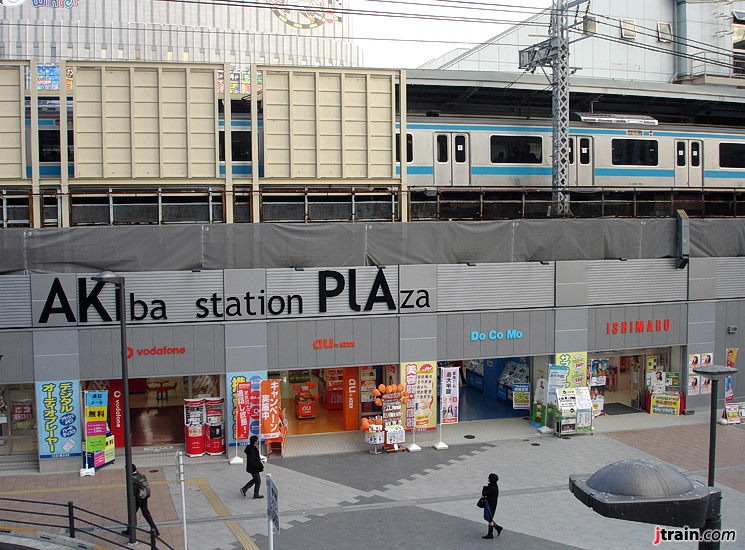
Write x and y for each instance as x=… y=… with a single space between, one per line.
x=153 y=541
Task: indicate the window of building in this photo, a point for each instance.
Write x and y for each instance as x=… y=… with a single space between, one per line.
x=240 y=146
x=589 y=24
x=186 y=55
x=516 y=149
x=138 y=54
x=664 y=32
x=732 y=155
x=169 y=55
x=69 y=52
x=634 y=152
x=628 y=28
x=409 y=147
x=120 y=53
x=738 y=42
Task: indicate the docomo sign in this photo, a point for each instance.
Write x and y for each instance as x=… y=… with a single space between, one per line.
x=156 y=351
x=495 y=335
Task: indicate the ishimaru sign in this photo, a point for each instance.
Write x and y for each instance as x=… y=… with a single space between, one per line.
x=179 y=297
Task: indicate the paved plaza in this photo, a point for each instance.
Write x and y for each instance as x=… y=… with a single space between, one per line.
x=349 y=498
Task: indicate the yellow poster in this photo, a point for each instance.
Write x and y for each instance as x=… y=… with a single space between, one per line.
x=576 y=361
x=420 y=380
x=110 y=450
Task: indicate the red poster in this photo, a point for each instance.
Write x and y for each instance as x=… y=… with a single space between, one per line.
x=116 y=412
x=351 y=398
x=243 y=412
x=270 y=403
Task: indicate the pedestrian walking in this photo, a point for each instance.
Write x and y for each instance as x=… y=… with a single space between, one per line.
x=253 y=466
x=491 y=493
x=142 y=493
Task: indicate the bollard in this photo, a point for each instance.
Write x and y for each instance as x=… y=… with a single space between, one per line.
x=71 y=518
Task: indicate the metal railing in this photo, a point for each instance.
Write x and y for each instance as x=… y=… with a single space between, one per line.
x=70 y=517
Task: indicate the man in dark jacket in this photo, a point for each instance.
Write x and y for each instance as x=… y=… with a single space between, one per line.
x=142 y=494
x=253 y=467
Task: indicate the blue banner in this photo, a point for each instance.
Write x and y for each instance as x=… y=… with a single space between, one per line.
x=58 y=419
x=232 y=381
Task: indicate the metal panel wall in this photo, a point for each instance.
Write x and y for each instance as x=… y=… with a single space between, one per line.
x=15 y=297
x=328 y=123
x=174 y=125
x=202 y=112
x=731 y=315
x=317 y=343
x=702 y=278
x=56 y=355
x=117 y=126
x=146 y=123
x=635 y=281
x=88 y=127
x=618 y=328
x=495 y=286
x=505 y=334
x=12 y=123
x=730 y=274
x=16 y=357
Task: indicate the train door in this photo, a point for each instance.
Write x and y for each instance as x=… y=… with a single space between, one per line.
x=452 y=159
x=689 y=166
x=580 y=161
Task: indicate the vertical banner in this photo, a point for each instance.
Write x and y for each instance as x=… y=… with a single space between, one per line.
x=59 y=426
x=232 y=379
x=270 y=404
x=419 y=380
x=242 y=410
x=557 y=379
x=729 y=382
x=116 y=406
x=449 y=399
x=351 y=398
x=576 y=362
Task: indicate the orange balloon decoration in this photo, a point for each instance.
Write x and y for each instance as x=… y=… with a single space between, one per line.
x=311 y=385
x=405 y=400
x=381 y=388
x=316 y=397
x=365 y=425
x=405 y=394
x=379 y=402
x=400 y=387
x=295 y=387
x=376 y=392
x=391 y=389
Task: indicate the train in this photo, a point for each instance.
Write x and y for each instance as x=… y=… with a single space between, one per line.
x=606 y=152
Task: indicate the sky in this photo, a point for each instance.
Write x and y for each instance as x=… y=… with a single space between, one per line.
x=394 y=42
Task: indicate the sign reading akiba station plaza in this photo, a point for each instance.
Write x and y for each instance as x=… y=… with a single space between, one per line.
x=152 y=297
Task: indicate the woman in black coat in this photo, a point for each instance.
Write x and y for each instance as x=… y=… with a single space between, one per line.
x=491 y=492
x=253 y=466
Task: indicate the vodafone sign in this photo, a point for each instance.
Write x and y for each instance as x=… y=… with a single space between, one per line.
x=155 y=350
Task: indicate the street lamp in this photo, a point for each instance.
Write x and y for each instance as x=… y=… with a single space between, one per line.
x=715 y=373
x=118 y=282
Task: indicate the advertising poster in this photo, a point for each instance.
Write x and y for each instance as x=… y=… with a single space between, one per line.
x=599 y=368
x=538 y=414
x=729 y=381
x=420 y=379
x=235 y=81
x=576 y=361
x=270 y=409
x=672 y=381
x=707 y=359
x=651 y=362
x=705 y=385
x=3 y=411
x=557 y=379
x=220 y=81
x=367 y=385
x=733 y=413
x=96 y=427
x=694 y=385
x=694 y=361
x=232 y=381
x=521 y=396
x=665 y=404
x=47 y=77
x=597 y=396
x=657 y=380
x=242 y=410
x=449 y=402
x=59 y=426
x=22 y=416
x=116 y=406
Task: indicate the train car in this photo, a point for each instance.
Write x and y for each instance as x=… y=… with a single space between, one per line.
x=606 y=151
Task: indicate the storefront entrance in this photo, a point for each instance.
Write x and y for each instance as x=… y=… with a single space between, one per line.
x=17 y=420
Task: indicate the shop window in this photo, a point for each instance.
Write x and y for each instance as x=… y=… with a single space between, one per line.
x=634 y=152
x=732 y=155
x=409 y=147
x=516 y=149
x=49 y=146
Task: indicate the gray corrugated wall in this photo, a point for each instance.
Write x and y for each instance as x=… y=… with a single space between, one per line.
x=247 y=246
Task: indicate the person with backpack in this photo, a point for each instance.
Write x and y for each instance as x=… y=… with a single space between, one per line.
x=253 y=466
x=142 y=494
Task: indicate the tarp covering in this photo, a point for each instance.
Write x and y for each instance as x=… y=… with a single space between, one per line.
x=265 y=245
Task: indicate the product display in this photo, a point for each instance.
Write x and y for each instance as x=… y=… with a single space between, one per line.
x=194 y=420
x=387 y=429
x=305 y=401
x=331 y=388
x=574 y=414
x=513 y=373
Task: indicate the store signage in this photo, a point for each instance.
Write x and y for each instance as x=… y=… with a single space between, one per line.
x=242 y=410
x=667 y=404
x=328 y=343
x=59 y=433
x=163 y=350
x=354 y=290
x=270 y=419
x=628 y=327
x=351 y=398
x=116 y=406
x=510 y=334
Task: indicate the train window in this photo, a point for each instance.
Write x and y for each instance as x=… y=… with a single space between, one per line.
x=732 y=155
x=680 y=153
x=442 y=148
x=460 y=148
x=516 y=149
x=240 y=143
x=584 y=151
x=571 y=151
x=49 y=146
x=695 y=154
x=409 y=147
x=635 y=152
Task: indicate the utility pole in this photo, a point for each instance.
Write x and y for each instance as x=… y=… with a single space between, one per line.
x=554 y=52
